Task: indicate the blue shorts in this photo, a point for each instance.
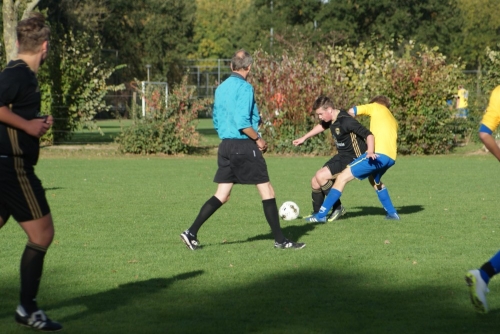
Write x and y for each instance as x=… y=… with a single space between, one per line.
x=363 y=167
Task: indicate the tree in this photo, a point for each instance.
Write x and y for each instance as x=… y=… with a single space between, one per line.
x=155 y=32
x=289 y=18
x=213 y=28
x=10 y=13
x=480 y=29
x=432 y=22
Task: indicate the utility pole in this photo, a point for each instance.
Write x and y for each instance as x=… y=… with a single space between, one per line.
x=272 y=30
x=148 y=66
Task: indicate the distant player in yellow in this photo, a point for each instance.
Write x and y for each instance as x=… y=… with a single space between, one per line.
x=478 y=279
x=379 y=157
x=462 y=102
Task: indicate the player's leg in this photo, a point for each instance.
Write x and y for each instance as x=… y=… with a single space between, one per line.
x=383 y=194
x=271 y=213
x=336 y=191
x=478 y=280
x=225 y=179
x=317 y=195
x=206 y=211
x=327 y=176
x=23 y=196
x=360 y=168
x=40 y=233
x=4 y=215
x=333 y=196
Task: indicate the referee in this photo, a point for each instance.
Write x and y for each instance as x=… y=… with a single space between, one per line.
x=21 y=193
x=240 y=155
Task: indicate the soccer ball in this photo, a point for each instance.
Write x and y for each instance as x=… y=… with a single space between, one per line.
x=289 y=210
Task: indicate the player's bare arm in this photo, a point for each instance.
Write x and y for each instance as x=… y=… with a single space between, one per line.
x=370 y=151
x=490 y=144
x=316 y=130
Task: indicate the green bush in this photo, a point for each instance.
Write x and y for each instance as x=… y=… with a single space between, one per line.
x=168 y=127
x=73 y=85
x=418 y=84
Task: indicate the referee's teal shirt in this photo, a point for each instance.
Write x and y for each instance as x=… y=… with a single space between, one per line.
x=235 y=108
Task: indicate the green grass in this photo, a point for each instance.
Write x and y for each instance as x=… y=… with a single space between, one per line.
x=111 y=128
x=117 y=264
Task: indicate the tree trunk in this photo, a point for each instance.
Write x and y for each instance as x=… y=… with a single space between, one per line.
x=10 y=11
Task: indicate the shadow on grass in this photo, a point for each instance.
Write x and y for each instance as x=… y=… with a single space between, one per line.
x=121 y=296
x=291 y=232
x=54 y=188
x=379 y=211
x=302 y=301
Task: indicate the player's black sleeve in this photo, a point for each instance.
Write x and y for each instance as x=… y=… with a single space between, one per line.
x=326 y=125
x=352 y=125
x=9 y=88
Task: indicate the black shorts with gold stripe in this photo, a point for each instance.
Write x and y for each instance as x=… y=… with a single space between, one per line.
x=22 y=195
x=338 y=163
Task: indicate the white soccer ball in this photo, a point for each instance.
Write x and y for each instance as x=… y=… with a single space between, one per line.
x=289 y=210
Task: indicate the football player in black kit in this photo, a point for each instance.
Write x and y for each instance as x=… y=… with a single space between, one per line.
x=21 y=193
x=350 y=139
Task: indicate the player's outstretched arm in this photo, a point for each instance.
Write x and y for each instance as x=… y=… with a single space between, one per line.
x=351 y=112
x=317 y=129
x=490 y=144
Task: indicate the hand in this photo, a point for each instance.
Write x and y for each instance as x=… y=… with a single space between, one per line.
x=49 y=120
x=37 y=127
x=262 y=145
x=298 y=142
x=371 y=155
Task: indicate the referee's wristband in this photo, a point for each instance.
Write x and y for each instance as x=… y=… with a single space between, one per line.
x=258 y=137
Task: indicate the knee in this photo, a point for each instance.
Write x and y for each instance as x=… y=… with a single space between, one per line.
x=223 y=199
x=43 y=239
x=314 y=182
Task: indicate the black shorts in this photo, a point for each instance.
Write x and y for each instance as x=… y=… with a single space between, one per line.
x=240 y=161
x=21 y=192
x=338 y=163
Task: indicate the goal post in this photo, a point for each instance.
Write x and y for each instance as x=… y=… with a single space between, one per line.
x=153 y=94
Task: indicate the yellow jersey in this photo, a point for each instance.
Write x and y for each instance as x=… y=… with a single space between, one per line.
x=463 y=96
x=491 y=118
x=384 y=127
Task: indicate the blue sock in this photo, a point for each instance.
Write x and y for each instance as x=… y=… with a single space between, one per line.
x=328 y=203
x=495 y=262
x=383 y=196
x=484 y=276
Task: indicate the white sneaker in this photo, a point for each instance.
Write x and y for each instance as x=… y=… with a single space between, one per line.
x=477 y=290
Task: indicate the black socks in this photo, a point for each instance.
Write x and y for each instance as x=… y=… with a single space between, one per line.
x=31 y=273
x=207 y=210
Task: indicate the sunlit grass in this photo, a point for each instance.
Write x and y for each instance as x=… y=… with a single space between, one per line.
x=117 y=264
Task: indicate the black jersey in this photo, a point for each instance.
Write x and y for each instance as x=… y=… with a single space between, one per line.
x=349 y=134
x=20 y=92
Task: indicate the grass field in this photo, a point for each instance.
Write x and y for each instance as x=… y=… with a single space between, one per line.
x=117 y=264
